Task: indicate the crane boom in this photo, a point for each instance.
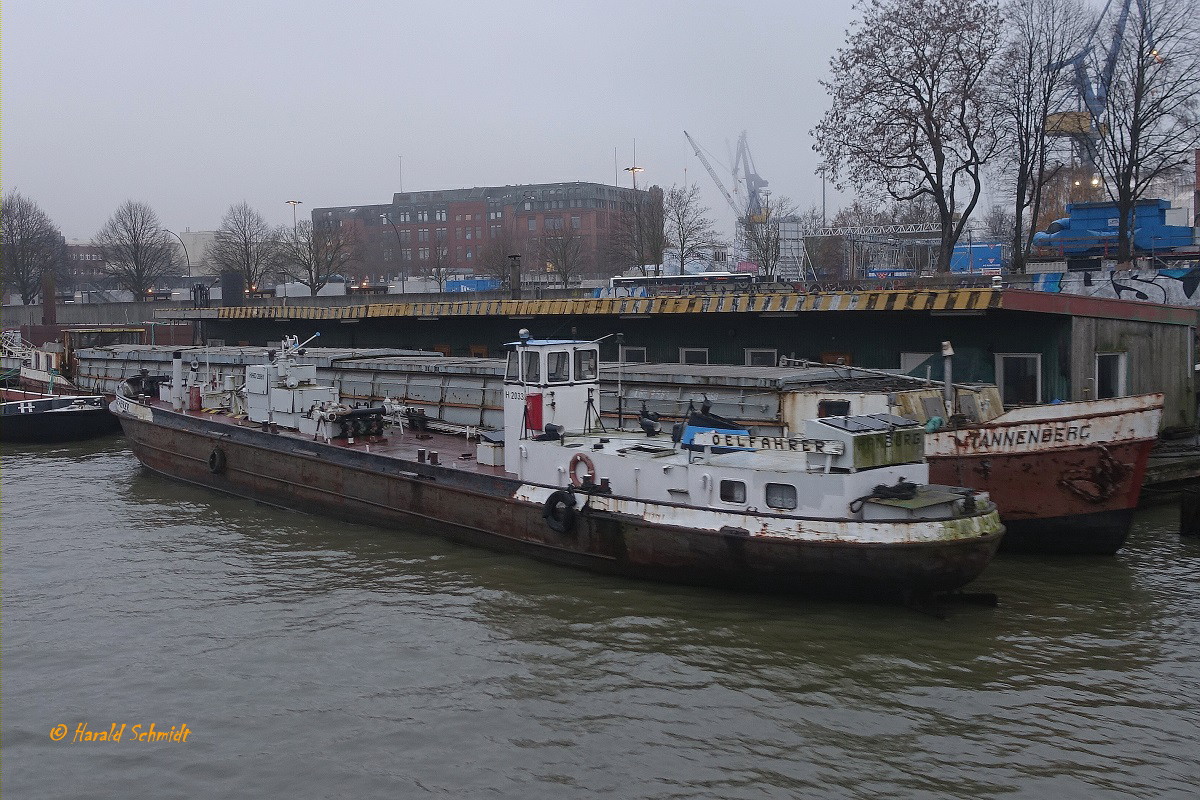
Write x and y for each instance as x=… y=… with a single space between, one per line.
x=713 y=174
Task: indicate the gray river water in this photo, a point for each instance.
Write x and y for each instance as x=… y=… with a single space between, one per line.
x=310 y=657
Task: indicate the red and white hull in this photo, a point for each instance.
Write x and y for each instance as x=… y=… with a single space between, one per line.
x=1066 y=477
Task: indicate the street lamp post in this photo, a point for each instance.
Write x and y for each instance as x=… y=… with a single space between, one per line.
x=399 y=248
x=185 y=252
x=293 y=204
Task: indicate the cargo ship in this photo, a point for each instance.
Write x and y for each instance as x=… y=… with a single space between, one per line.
x=842 y=507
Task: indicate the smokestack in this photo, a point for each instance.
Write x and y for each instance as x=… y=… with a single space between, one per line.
x=49 y=299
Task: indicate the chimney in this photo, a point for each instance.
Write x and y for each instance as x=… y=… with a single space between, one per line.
x=49 y=299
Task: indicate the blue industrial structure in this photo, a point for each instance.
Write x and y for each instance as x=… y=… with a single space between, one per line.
x=1091 y=229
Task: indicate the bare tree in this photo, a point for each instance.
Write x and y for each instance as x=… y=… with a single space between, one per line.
x=495 y=261
x=637 y=237
x=689 y=230
x=562 y=250
x=997 y=225
x=1151 y=123
x=1039 y=35
x=312 y=255
x=137 y=252
x=244 y=244
x=33 y=247
x=911 y=113
x=439 y=261
x=763 y=234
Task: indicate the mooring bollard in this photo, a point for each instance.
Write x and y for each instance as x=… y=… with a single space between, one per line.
x=1189 y=512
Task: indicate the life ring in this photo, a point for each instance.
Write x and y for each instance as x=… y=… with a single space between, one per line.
x=589 y=470
x=216 y=461
x=559 y=511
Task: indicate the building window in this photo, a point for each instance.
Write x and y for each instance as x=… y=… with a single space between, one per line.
x=478 y=233
x=422 y=216
x=470 y=255
x=441 y=215
x=693 y=355
x=406 y=254
x=781 y=496
x=633 y=355
x=458 y=217
x=468 y=234
x=1110 y=375
x=423 y=254
x=387 y=254
x=1019 y=378
x=761 y=357
x=459 y=253
x=533 y=223
x=495 y=231
x=402 y=216
x=733 y=492
x=423 y=235
x=458 y=233
x=575 y=222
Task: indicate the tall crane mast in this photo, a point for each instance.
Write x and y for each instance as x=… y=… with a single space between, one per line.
x=712 y=173
x=744 y=162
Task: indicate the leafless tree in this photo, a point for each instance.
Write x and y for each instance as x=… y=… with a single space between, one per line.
x=137 y=252
x=245 y=244
x=997 y=224
x=495 y=261
x=689 y=230
x=1030 y=96
x=763 y=234
x=312 y=255
x=910 y=107
x=439 y=261
x=1151 y=123
x=561 y=249
x=33 y=247
x=638 y=236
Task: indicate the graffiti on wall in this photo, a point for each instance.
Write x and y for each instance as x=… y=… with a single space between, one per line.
x=1179 y=286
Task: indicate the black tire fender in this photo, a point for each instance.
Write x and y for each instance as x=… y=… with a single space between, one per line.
x=559 y=511
x=216 y=461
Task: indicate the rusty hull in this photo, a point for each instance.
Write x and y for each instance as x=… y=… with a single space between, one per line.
x=1073 y=489
x=473 y=504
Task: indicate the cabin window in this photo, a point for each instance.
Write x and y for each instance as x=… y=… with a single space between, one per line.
x=532 y=373
x=781 y=496
x=511 y=372
x=585 y=365
x=1019 y=377
x=633 y=355
x=733 y=492
x=761 y=357
x=693 y=355
x=558 y=367
x=833 y=408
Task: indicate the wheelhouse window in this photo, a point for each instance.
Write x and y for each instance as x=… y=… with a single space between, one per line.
x=781 y=496
x=1110 y=375
x=733 y=492
x=532 y=372
x=585 y=365
x=512 y=370
x=558 y=367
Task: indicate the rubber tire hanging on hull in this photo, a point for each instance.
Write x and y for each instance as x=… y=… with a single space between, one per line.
x=559 y=511
x=216 y=461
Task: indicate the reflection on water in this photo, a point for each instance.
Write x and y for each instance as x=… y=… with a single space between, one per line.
x=318 y=657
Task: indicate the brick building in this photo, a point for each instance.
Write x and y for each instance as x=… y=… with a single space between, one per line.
x=473 y=228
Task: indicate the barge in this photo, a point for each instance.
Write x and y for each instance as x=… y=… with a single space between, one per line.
x=839 y=507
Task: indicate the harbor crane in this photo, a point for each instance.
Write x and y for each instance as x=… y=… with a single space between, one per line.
x=712 y=173
x=1084 y=126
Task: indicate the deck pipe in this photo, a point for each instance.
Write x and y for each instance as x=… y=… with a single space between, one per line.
x=177 y=380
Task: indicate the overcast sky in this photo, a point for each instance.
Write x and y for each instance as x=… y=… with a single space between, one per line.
x=193 y=106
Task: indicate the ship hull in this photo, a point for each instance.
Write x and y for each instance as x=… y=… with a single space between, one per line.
x=480 y=508
x=1065 y=482
x=43 y=419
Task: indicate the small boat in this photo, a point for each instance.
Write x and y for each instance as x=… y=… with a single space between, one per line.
x=841 y=507
x=33 y=417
